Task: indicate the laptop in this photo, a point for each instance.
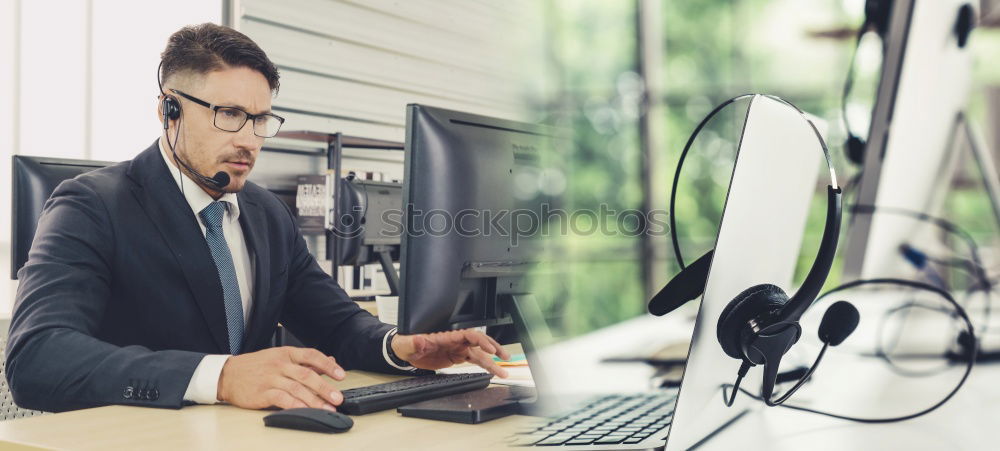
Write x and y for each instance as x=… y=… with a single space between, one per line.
x=760 y=236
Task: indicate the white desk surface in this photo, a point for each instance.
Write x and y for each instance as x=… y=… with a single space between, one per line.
x=844 y=383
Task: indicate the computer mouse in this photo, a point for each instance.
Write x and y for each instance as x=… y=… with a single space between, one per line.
x=309 y=419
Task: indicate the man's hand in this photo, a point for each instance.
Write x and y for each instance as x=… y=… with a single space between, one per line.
x=444 y=349
x=285 y=377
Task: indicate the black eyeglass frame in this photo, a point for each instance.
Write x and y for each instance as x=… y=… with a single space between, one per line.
x=215 y=109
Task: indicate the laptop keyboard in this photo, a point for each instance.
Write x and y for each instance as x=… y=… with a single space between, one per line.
x=609 y=420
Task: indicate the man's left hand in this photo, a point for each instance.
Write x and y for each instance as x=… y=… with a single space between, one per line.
x=443 y=349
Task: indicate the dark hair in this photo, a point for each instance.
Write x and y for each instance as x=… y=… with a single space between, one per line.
x=209 y=47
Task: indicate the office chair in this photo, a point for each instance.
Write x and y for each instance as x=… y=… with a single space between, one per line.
x=9 y=410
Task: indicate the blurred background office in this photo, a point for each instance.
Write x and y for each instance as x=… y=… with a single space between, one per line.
x=630 y=79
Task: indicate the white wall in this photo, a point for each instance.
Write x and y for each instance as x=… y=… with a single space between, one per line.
x=81 y=79
x=352 y=66
x=128 y=38
x=8 y=128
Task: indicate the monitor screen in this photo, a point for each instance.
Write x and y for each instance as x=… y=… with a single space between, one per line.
x=475 y=204
x=923 y=91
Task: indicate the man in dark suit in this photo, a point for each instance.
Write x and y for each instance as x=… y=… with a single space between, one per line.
x=149 y=283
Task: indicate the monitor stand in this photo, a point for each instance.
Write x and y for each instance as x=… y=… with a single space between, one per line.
x=391 y=277
x=984 y=160
x=990 y=178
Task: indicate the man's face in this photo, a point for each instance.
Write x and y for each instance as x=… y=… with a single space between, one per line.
x=201 y=144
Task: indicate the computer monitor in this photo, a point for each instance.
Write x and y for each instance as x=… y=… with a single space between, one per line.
x=469 y=184
x=34 y=179
x=923 y=90
x=366 y=233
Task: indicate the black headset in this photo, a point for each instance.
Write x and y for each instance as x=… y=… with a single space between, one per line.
x=170 y=108
x=761 y=323
x=877 y=15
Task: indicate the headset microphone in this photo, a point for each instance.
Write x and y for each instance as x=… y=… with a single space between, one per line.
x=218 y=181
x=838 y=323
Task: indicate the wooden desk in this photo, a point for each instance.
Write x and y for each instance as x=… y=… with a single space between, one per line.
x=227 y=427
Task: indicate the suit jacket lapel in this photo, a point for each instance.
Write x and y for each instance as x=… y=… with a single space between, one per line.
x=162 y=200
x=253 y=220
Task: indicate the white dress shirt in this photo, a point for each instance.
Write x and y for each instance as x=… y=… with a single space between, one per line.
x=204 y=384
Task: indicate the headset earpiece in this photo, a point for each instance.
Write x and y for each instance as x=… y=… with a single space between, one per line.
x=170 y=108
x=759 y=303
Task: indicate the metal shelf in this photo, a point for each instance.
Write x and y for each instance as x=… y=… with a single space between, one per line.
x=335 y=144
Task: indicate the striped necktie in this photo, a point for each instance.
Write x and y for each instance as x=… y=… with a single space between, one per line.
x=211 y=216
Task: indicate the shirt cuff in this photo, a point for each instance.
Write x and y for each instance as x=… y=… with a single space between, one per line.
x=204 y=385
x=385 y=352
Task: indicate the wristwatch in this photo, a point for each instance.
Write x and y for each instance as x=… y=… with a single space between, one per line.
x=392 y=354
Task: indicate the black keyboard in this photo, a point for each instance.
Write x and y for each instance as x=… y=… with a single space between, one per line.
x=605 y=421
x=373 y=398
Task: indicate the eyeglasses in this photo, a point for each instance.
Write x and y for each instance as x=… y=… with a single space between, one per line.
x=232 y=119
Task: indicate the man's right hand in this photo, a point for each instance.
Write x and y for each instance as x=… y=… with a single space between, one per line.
x=285 y=377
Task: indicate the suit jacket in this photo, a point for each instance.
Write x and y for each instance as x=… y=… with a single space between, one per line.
x=120 y=298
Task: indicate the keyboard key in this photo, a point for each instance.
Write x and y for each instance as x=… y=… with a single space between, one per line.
x=557 y=439
x=526 y=440
x=581 y=441
x=631 y=440
x=611 y=439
